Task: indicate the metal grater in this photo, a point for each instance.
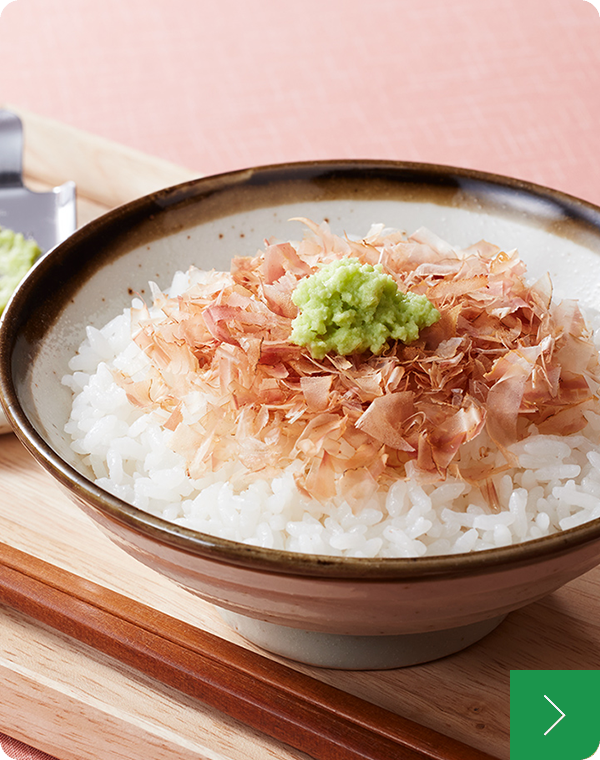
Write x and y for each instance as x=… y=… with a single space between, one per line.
x=47 y=217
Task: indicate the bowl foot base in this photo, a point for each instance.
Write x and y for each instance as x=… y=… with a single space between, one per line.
x=349 y=652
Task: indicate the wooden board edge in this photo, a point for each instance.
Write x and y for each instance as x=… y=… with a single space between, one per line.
x=90 y=707
x=104 y=171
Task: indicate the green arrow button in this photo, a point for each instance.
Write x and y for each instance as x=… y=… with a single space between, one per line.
x=555 y=714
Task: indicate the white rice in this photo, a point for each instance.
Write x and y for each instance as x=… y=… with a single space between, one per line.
x=556 y=486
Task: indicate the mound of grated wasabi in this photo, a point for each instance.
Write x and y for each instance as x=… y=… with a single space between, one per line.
x=17 y=256
x=350 y=308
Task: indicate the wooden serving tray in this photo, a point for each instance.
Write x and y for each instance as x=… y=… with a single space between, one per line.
x=73 y=702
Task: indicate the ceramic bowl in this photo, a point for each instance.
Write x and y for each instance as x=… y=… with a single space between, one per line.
x=335 y=612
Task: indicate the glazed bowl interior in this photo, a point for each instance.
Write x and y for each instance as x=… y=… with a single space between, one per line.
x=92 y=277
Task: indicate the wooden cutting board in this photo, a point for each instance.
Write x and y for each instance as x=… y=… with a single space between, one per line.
x=72 y=702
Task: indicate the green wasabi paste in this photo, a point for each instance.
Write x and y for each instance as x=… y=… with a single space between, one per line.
x=348 y=307
x=17 y=255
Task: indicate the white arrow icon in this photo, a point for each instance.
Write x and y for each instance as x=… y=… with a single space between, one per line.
x=556 y=722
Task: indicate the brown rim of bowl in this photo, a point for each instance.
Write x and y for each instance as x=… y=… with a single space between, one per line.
x=477 y=184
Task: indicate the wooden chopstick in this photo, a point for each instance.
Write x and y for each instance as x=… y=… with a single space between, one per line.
x=302 y=712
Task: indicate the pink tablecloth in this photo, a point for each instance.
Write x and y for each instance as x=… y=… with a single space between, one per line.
x=16 y=750
x=510 y=86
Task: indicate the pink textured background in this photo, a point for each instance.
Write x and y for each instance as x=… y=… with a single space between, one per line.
x=509 y=86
